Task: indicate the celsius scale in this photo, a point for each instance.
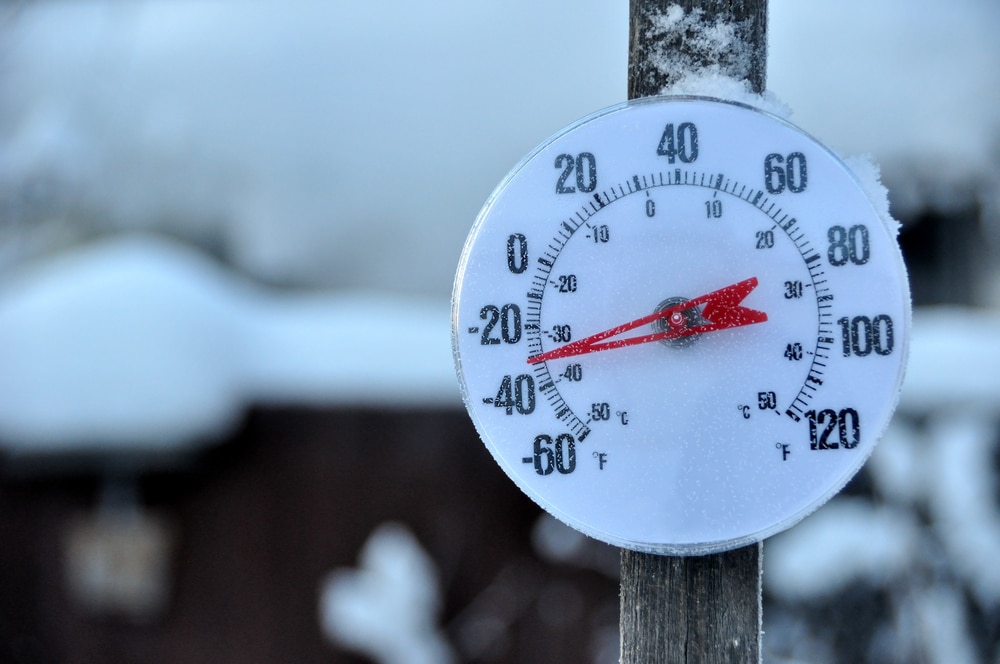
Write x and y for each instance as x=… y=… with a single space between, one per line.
x=680 y=325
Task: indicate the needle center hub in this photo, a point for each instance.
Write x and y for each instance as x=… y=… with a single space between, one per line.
x=678 y=320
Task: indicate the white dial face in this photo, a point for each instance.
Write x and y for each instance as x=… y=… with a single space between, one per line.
x=680 y=325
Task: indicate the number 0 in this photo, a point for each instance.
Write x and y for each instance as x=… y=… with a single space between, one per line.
x=517 y=253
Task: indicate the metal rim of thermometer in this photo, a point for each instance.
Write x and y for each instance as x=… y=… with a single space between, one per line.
x=680 y=325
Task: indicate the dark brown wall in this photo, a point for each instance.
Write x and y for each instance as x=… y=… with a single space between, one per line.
x=262 y=518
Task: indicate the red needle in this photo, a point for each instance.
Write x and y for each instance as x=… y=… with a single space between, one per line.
x=722 y=310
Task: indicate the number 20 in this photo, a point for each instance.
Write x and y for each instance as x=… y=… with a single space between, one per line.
x=585 y=166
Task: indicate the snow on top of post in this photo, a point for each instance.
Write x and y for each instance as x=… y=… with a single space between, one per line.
x=700 y=53
x=715 y=46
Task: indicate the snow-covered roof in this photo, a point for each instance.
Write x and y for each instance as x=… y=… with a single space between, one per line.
x=140 y=343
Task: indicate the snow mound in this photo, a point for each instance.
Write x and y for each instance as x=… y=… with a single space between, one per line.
x=847 y=540
x=386 y=608
x=139 y=342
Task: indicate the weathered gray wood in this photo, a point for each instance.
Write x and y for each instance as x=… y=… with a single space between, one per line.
x=695 y=609
x=659 y=53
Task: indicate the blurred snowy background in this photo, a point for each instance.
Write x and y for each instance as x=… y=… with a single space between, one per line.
x=227 y=238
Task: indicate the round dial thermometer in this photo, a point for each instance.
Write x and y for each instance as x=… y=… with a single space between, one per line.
x=680 y=325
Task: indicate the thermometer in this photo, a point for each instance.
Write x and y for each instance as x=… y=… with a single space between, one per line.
x=680 y=325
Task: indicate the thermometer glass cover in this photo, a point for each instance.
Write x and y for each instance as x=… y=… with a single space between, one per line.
x=680 y=324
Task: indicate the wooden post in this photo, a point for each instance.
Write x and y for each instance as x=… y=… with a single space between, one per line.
x=660 y=53
x=694 y=609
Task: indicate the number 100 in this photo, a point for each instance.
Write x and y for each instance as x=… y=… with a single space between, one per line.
x=862 y=335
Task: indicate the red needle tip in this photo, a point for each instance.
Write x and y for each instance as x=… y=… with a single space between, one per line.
x=721 y=310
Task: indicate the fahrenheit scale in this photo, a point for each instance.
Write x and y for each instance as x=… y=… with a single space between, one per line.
x=680 y=325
